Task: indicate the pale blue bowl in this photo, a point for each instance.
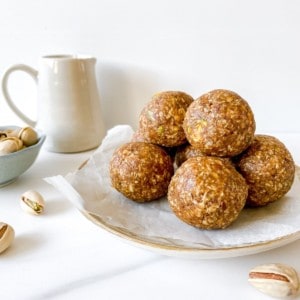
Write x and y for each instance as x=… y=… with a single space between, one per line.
x=15 y=164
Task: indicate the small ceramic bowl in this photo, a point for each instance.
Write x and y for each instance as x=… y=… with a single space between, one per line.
x=14 y=164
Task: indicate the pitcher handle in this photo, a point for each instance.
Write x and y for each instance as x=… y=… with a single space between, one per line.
x=34 y=74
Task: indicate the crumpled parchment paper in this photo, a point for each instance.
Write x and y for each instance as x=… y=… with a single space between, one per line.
x=89 y=189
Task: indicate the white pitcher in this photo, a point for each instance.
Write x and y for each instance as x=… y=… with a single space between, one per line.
x=69 y=110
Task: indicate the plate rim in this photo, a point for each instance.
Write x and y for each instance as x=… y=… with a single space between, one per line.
x=191 y=252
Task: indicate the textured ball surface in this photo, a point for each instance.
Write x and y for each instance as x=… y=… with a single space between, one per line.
x=162 y=118
x=207 y=192
x=220 y=123
x=268 y=168
x=141 y=171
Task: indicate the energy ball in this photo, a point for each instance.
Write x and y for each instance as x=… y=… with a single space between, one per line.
x=141 y=171
x=220 y=123
x=161 y=119
x=268 y=168
x=207 y=192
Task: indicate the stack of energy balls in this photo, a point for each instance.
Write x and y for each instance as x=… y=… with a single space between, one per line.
x=221 y=164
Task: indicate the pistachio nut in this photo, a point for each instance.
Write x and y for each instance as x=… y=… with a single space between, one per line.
x=12 y=132
x=2 y=135
x=17 y=141
x=9 y=145
x=277 y=280
x=7 y=235
x=32 y=202
x=28 y=135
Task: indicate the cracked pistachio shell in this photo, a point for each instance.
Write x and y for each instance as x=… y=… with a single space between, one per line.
x=28 y=135
x=275 y=279
x=32 y=202
x=2 y=135
x=10 y=145
x=12 y=132
x=7 y=235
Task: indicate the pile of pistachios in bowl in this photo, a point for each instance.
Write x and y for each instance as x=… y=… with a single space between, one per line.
x=15 y=139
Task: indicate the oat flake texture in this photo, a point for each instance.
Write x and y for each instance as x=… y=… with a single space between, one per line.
x=141 y=171
x=207 y=192
x=162 y=118
x=268 y=168
x=220 y=123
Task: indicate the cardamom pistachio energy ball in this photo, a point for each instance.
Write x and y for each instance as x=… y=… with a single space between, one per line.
x=161 y=119
x=268 y=168
x=207 y=192
x=220 y=123
x=141 y=171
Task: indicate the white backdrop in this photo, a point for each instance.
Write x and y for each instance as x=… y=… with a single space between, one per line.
x=142 y=47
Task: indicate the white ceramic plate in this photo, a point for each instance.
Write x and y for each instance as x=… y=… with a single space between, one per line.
x=152 y=226
x=171 y=247
x=174 y=247
x=190 y=251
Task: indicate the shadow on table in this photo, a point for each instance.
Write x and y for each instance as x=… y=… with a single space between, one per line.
x=24 y=243
x=57 y=206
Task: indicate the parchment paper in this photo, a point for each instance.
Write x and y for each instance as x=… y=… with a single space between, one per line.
x=89 y=189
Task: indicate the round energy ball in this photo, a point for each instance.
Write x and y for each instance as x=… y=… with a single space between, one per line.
x=141 y=171
x=268 y=168
x=207 y=192
x=161 y=119
x=219 y=123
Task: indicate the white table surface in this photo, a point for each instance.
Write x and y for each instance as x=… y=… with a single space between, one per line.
x=62 y=255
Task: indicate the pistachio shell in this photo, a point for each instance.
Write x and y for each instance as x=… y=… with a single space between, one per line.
x=28 y=135
x=32 y=202
x=12 y=132
x=2 y=135
x=7 y=235
x=277 y=280
x=17 y=141
x=9 y=145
